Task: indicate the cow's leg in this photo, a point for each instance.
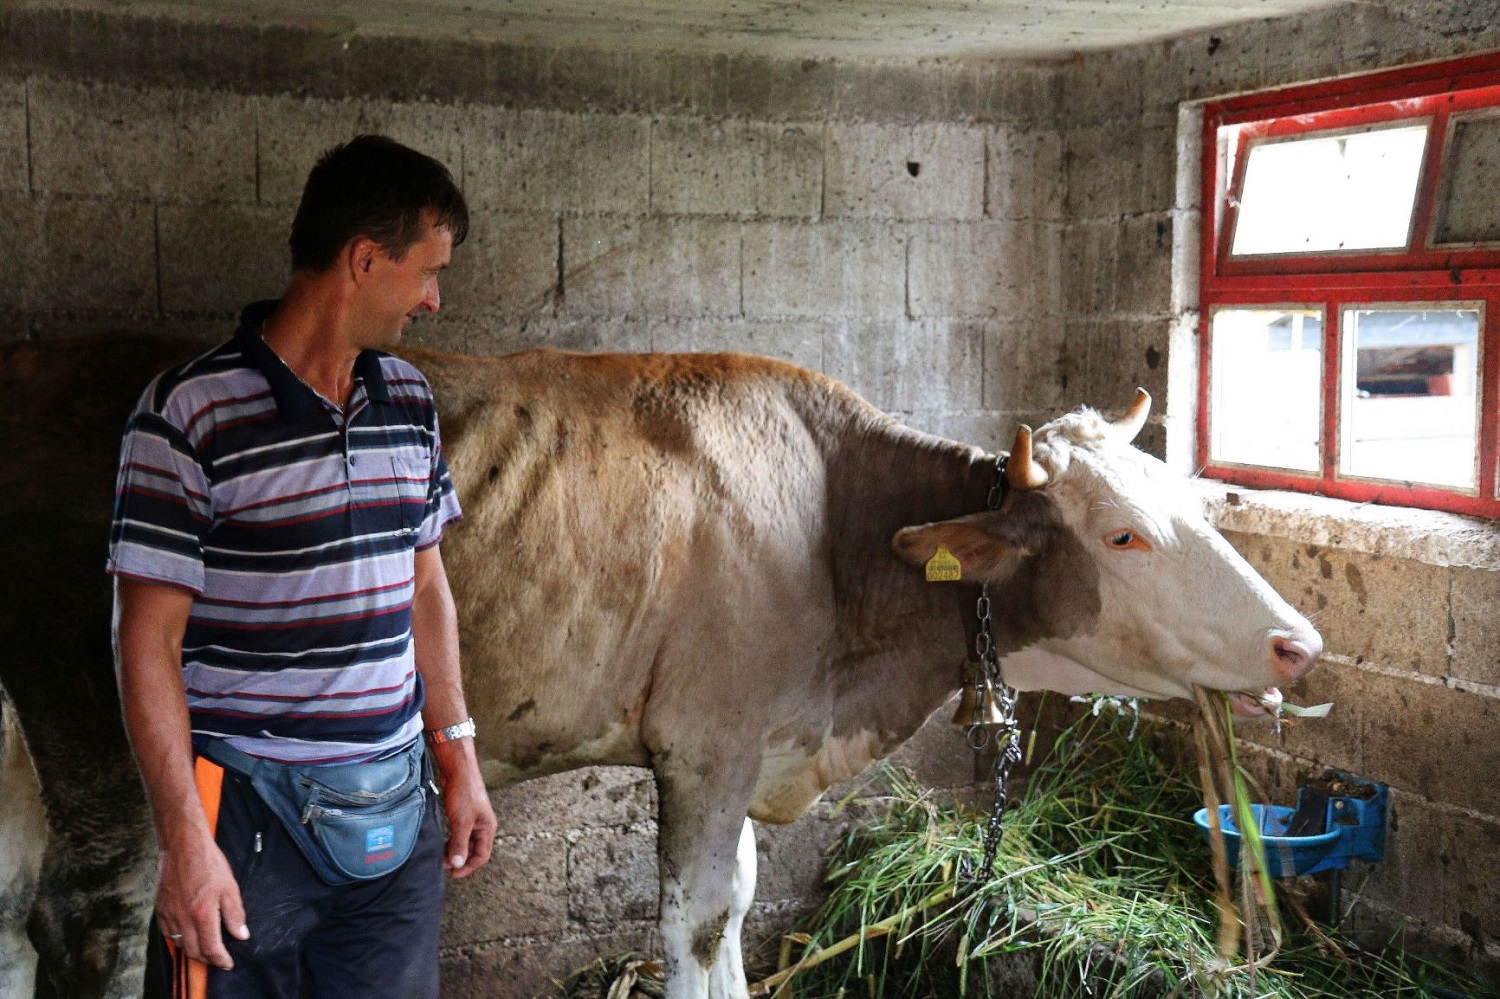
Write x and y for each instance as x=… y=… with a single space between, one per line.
x=23 y=837
x=727 y=977
x=707 y=881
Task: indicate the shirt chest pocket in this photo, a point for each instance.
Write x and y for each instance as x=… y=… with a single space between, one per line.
x=410 y=473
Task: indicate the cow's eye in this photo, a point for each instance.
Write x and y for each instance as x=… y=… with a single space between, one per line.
x=1127 y=541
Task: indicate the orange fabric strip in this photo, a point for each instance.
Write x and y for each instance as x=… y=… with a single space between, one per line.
x=210 y=778
x=190 y=978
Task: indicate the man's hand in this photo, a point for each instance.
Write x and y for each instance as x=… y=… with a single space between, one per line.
x=471 y=820
x=195 y=894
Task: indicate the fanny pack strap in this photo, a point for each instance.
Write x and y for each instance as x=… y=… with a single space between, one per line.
x=225 y=755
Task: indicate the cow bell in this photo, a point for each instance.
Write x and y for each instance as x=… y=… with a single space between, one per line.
x=981 y=694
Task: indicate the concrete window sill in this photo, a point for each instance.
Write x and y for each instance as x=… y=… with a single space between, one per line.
x=1426 y=536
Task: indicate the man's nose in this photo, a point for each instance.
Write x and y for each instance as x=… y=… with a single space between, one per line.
x=432 y=300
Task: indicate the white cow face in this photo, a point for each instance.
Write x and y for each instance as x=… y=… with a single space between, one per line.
x=1129 y=589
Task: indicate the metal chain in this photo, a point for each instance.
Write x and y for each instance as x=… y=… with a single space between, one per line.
x=989 y=683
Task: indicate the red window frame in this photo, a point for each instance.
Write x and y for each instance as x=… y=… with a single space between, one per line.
x=1420 y=273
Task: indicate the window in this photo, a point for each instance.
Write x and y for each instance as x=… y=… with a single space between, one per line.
x=1350 y=330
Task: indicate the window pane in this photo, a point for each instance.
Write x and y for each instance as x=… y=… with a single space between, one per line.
x=1470 y=212
x=1266 y=400
x=1352 y=191
x=1411 y=384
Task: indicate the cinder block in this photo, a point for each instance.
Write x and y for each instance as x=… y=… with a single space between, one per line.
x=216 y=257
x=1105 y=173
x=1433 y=740
x=889 y=171
x=1438 y=866
x=534 y=967
x=500 y=335
x=801 y=343
x=792 y=860
x=13 y=151
x=1103 y=87
x=759 y=88
x=938 y=754
x=507 y=266
x=20 y=225
x=746 y=169
x=650 y=267
x=1023 y=366
x=836 y=269
x=295 y=131
x=522 y=891
x=905 y=366
x=1010 y=269
x=1390 y=611
x=765 y=926
x=1145 y=265
x=90 y=256
x=1025 y=173
x=103 y=139
x=1476 y=639
x=612 y=876
x=578 y=799
x=532 y=160
x=1024 y=95
x=982 y=428
x=1091 y=267
x=893 y=92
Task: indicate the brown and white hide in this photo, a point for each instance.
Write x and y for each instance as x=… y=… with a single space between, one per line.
x=682 y=562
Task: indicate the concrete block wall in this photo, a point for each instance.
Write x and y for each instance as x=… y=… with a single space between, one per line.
x=896 y=226
x=1409 y=622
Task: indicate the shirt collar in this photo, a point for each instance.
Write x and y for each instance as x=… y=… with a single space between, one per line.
x=293 y=397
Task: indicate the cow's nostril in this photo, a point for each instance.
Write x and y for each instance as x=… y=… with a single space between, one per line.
x=1293 y=658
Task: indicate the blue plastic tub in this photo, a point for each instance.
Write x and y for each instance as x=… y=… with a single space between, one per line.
x=1355 y=830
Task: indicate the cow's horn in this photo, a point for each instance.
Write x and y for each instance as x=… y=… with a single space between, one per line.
x=1020 y=471
x=1134 y=419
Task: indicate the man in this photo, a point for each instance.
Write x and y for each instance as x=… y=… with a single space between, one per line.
x=282 y=615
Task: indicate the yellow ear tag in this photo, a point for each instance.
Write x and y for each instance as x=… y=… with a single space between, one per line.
x=944 y=567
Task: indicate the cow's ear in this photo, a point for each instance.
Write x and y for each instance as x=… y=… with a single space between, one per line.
x=980 y=552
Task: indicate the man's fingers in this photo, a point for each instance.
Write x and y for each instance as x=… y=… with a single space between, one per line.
x=483 y=841
x=233 y=911
x=208 y=941
x=456 y=851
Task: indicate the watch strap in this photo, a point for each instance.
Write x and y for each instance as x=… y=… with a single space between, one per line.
x=461 y=730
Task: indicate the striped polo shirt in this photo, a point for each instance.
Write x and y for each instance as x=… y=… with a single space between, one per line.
x=295 y=526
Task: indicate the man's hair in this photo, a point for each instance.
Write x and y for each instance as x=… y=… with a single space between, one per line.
x=373 y=186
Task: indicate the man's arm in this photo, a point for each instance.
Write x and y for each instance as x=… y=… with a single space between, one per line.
x=195 y=889
x=434 y=625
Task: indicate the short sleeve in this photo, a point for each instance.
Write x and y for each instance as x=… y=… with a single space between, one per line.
x=442 y=499
x=163 y=508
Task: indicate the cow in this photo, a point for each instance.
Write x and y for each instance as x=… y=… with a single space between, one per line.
x=707 y=565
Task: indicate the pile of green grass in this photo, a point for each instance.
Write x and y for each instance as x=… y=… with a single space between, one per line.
x=1101 y=877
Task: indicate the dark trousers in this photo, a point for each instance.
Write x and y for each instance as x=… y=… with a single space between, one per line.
x=308 y=939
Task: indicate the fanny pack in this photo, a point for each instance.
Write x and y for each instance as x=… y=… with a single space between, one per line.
x=353 y=822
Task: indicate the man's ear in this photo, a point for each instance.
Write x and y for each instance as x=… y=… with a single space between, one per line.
x=361 y=252
x=979 y=551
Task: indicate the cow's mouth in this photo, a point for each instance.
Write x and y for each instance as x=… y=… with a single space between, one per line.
x=1249 y=705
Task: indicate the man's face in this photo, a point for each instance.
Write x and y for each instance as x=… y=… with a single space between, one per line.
x=399 y=290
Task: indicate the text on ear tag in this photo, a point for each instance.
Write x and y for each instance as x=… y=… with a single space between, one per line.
x=943 y=567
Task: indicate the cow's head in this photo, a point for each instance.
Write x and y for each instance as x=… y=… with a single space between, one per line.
x=1107 y=578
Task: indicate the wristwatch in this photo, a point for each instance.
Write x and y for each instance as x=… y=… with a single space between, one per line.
x=462 y=730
